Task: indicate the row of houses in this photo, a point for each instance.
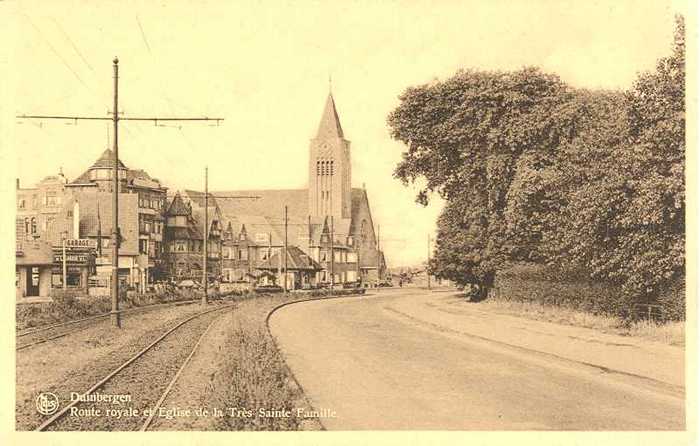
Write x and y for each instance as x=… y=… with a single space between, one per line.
x=329 y=231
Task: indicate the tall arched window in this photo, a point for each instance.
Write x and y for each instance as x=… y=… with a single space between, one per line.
x=26 y=226
x=332 y=169
x=33 y=225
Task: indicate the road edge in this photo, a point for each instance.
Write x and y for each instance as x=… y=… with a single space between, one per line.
x=281 y=353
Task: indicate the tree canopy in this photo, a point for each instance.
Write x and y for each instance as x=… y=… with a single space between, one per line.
x=534 y=170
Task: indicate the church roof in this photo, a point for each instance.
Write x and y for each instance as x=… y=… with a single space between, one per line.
x=270 y=203
x=330 y=123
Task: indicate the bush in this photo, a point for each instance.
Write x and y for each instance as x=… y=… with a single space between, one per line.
x=547 y=286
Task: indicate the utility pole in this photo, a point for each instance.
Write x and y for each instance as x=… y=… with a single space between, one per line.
x=427 y=265
x=332 y=257
x=206 y=234
x=285 y=248
x=114 y=313
x=65 y=268
x=378 y=257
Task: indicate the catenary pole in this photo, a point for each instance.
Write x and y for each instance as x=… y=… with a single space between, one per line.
x=332 y=256
x=114 y=285
x=205 y=278
x=427 y=265
x=378 y=258
x=114 y=314
x=285 y=249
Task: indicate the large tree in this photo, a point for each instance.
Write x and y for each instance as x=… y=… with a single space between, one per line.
x=465 y=137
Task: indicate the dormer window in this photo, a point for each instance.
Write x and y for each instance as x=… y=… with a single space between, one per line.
x=350 y=240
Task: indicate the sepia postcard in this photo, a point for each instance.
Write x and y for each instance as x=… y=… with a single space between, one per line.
x=304 y=222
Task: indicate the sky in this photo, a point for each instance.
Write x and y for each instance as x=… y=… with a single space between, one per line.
x=264 y=66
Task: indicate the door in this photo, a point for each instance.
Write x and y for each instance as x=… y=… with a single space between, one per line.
x=33 y=281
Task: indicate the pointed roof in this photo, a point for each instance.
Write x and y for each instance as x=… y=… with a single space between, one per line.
x=178 y=207
x=330 y=123
x=107 y=160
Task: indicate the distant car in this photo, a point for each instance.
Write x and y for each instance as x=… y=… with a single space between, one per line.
x=385 y=283
x=351 y=285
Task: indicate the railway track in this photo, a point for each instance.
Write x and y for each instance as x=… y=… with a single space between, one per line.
x=40 y=335
x=147 y=377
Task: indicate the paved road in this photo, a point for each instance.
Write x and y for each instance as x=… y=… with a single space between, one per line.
x=377 y=371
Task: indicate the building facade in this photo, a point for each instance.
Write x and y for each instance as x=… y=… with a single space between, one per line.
x=327 y=239
x=330 y=221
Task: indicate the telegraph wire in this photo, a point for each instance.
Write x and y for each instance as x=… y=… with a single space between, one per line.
x=48 y=43
x=143 y=34
x=65 y=34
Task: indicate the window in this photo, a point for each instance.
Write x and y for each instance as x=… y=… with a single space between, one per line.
x=338 y=255
x=33 y=225
x=350 y=240
x=264 y=254
x=243 y=254
x=48 y=223
x=105 y=242
x=26 y=226
x=73 y=278
x=324 y=256
x=352 y=257
x=178 y=246
x=21 y=204
x=50 y=199
x=143 y=246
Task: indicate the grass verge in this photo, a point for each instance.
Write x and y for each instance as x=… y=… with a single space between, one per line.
x=671 y=333
x=249 y=374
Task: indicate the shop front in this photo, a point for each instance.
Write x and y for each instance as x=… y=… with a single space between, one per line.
x=75 y=269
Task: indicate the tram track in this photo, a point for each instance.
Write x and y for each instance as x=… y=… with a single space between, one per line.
x=46 y=333
x=147 y=377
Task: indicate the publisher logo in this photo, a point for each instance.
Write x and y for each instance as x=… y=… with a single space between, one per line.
x=46 y=403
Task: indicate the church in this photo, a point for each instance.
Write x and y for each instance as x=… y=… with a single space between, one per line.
x=329 y=233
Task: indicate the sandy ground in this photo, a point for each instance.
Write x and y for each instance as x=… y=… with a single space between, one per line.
x=411 y=359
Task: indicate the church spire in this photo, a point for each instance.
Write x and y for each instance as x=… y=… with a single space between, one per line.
x=330 y=123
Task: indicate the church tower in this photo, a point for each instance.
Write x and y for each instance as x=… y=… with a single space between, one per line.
x=329 y=167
